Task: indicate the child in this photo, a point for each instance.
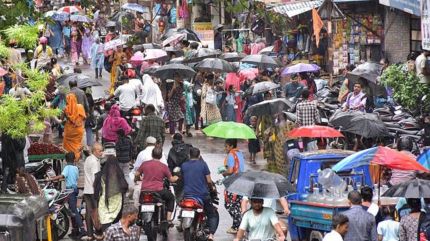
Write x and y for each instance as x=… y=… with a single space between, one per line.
x=253 y=144
x=71 y=174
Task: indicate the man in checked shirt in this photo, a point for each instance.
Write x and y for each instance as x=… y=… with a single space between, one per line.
x=307 y=115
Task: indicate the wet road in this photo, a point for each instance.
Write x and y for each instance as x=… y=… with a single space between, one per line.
x=212 y=151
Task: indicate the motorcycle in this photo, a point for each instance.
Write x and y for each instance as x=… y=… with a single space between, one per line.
x=152 y=216
x=193 y=220
x=60 y=213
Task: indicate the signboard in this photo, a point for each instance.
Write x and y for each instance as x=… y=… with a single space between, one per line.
x=409 y=6
x=205 y=32
x=425 y=24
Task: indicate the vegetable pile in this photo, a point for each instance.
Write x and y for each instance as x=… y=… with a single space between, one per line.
x=44 y=149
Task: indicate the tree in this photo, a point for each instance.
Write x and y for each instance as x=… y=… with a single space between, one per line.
x=21 y=117
x=16 y=12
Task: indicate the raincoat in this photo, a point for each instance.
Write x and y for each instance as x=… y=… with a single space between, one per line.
x=151 y=93
x=113 y=123
x=189 y=104
x=97 y=56
x=74 y=126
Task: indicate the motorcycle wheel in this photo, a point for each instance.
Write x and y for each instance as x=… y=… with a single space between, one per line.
x=61 y=224
x=150 y=231
x=188 y=235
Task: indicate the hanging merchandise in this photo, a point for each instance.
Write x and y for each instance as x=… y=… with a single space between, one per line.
x=183 y=10
x=257 y=27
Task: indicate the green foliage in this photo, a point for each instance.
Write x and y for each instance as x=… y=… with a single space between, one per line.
x=406 y=86
x=25 y=35
x=4 y=51
x=19 y=9
x=20 y=117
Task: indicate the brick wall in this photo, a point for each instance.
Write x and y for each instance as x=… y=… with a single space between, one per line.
x=397 y=35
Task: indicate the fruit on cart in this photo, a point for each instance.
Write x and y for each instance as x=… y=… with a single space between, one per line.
x=44 y=149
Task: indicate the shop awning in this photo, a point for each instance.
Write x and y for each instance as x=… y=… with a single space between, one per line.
x=292 y=9
x=409 y=6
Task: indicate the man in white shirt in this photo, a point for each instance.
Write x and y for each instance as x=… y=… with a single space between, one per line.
x=340 y=228
x=91 y=167
x=420 y=64
x=127 y=95
x=143 y=156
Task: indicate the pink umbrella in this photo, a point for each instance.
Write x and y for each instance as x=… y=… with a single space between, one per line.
x=154 y=54
x=2 y=72
x=137 y=58
x=173 y=40
x=248 y=74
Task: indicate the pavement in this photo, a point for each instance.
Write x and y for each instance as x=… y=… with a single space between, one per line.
x=211 y=149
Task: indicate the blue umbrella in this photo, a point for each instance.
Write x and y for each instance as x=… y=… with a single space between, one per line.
x=355 y=160
x=135 y=7
x=424 y=159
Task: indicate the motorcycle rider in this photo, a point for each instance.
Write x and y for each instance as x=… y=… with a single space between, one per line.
x=198 y=185
x=260 y=223
x=127 y=95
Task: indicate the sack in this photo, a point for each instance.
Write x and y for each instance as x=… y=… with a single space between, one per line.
x=210 y=97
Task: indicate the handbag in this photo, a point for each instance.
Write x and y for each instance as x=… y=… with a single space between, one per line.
x=210 y=97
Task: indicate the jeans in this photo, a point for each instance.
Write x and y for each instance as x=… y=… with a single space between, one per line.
x=212 y=215
x=77 y=220
x=89 y=136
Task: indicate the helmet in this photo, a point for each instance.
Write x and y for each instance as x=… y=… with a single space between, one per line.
x=43 y=40
x=405 y=144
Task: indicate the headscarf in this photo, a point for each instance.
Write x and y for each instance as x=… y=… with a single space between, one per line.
x=114 y=117
x=151 y=93
x=113 y=122
x=75 y=112
x=113 y=178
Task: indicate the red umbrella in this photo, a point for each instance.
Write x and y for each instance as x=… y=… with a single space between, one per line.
x=315 y=132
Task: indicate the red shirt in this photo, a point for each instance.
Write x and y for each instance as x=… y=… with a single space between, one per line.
x=153 y=174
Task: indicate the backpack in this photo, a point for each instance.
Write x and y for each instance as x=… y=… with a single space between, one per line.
x=124 y=150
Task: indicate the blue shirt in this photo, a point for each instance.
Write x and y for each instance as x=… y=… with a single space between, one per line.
x=230 y=161
x=71 y=174
x=194 y=174
x=67 y=31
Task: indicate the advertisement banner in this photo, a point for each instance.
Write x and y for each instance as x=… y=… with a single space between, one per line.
x=205 y=32
x=425 y=24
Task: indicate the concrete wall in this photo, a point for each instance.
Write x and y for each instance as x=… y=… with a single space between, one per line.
x=397 y=35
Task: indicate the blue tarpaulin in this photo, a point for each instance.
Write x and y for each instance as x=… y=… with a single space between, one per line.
x=409 y=6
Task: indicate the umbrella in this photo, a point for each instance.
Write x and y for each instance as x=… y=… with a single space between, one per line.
x=262 y=61
x=177 y=51
x=215 y=65
x=2 y=72
x=135 y=7
x=202 y=54
x=169 y=71
x=57 y=16
x=264 y=86
x=315 y=132
x=151 y=70
x=114 y=43
x=300 y=68
x=423 y=159
x=233 y=57
x=110 y=24
x=249 y=74
x=414 y=188
x=368 y=70
x=70 y=9
x=229 y=129
x=177 y=60
x=174 y=39
x=380 y=155
x=82 y=80
x=258 y=184
x=269 y=107
x=80 y=18
x=154 y=54
x=151 y=46
x=137 y=58
x=190 y=35
x=266 y=50
x=356 y=122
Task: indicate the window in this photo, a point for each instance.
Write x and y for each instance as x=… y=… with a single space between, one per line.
x=415 y=34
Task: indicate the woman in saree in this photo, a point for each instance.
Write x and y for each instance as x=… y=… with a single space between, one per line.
x=115 y=59
x=74 y=120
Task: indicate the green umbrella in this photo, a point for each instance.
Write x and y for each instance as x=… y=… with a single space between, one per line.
x=230 y=129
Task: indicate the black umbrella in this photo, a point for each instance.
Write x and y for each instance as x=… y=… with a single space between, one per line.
x=264 y=86
x=233 y=57
x=82 y=80
x=262 y=61
x=190 y=35
x=342 y=119
x=201 y=54
x=269 y=107
x=169 y=71
x=177 y=51
x=215 y=65
x=258 y=184
x=363 y=124
x=368 y=70
x=415 y=188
